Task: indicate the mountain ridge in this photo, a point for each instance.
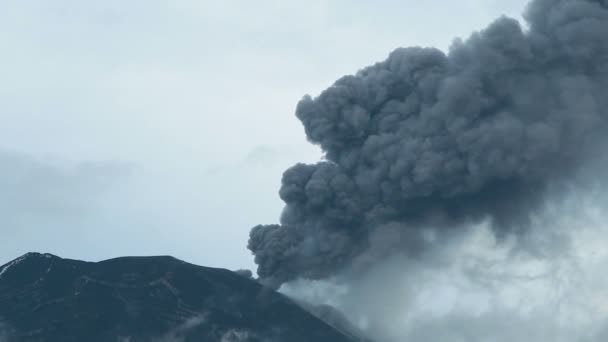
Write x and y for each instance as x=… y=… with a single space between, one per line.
x=139 y=299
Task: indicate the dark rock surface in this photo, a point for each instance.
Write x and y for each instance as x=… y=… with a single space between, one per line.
x=133 y=299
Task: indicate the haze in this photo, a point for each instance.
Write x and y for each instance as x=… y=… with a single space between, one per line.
x=153 y=127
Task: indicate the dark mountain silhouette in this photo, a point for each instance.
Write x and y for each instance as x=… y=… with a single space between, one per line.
x=158 y=299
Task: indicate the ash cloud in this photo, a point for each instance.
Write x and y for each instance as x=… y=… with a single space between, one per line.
x=425 y=143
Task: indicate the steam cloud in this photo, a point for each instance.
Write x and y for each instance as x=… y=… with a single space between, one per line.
x=424 y=143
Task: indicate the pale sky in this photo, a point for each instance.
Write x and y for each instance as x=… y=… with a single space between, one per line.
x=163 y=127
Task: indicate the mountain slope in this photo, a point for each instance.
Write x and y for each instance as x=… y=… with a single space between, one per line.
x=132 y=299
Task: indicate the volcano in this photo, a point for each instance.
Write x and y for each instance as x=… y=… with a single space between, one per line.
x=146 y=299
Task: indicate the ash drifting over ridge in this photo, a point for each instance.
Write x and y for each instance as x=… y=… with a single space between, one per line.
x=424 y=143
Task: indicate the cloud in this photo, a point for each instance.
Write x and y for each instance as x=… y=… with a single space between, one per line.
x=480 y=289
x=425 y=143
x=236 y=336
x=36 y=189
x=180 y=333
x=47 y=200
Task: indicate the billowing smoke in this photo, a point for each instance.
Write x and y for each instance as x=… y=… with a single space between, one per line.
x=425 y=143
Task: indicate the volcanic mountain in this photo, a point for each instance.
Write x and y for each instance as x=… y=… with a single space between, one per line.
x=45 y=298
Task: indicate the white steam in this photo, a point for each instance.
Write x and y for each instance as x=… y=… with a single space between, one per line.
x=480 y=288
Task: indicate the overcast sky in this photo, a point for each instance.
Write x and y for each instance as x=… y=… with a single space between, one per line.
x=149 y=127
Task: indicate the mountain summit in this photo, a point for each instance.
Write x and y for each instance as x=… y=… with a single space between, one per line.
x=45 y=298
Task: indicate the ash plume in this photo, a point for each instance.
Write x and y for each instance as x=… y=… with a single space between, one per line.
x=424 y=143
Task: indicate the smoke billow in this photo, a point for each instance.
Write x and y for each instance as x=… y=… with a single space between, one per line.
x=425 y=143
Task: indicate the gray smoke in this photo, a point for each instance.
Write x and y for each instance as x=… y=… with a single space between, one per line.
x=424 y=143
